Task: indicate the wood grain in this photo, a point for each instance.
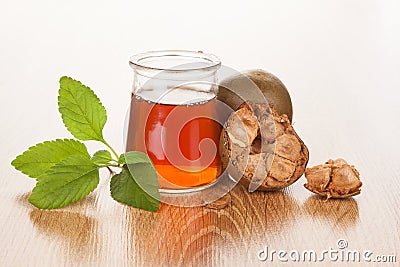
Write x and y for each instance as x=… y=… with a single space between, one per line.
x=339 y=60
x=98 y=231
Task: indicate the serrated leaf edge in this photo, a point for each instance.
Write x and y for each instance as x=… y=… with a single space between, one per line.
x=42 y=143
x=40 y=182
x=100 y=138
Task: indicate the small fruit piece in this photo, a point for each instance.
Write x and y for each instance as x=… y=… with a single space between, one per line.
x=261 y=149
x=334 y=179
x=254 y=85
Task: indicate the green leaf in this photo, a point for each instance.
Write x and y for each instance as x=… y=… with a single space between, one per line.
x=81 y=110
x=39 y=158
x=121 y=159
x=102 y=157
x=137 y=187
x=66 y=182
x=134 y=157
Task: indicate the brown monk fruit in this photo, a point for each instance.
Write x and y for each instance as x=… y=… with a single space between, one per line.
x=259 y=147
x=247 y=86
x=334 y=179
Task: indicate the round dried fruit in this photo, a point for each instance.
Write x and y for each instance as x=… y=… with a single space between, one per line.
x=334 y=179
x=250 y=85
x=260 y=149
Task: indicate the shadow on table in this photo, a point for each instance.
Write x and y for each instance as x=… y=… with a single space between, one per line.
x=75 y=233
x=341 y=213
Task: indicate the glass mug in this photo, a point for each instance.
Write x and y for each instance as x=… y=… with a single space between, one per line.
x=172 y=117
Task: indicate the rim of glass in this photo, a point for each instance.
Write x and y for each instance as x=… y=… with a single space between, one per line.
x=215 y=62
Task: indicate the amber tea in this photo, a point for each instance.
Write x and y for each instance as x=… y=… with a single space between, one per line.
x=181 y=140
x=173 y=117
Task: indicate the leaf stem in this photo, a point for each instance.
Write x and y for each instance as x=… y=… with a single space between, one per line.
x=111 y=171
x=113 y=165
x=112 y=150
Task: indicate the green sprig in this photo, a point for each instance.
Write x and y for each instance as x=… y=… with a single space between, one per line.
x=66 y=173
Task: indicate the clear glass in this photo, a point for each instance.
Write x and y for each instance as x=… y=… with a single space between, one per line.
x=173 y=117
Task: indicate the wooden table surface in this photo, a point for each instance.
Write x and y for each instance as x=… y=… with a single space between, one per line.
x=98 y=231
x=340 y=61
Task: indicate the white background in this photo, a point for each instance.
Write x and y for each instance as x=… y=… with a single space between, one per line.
x=339 y=59
x=330 y=54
